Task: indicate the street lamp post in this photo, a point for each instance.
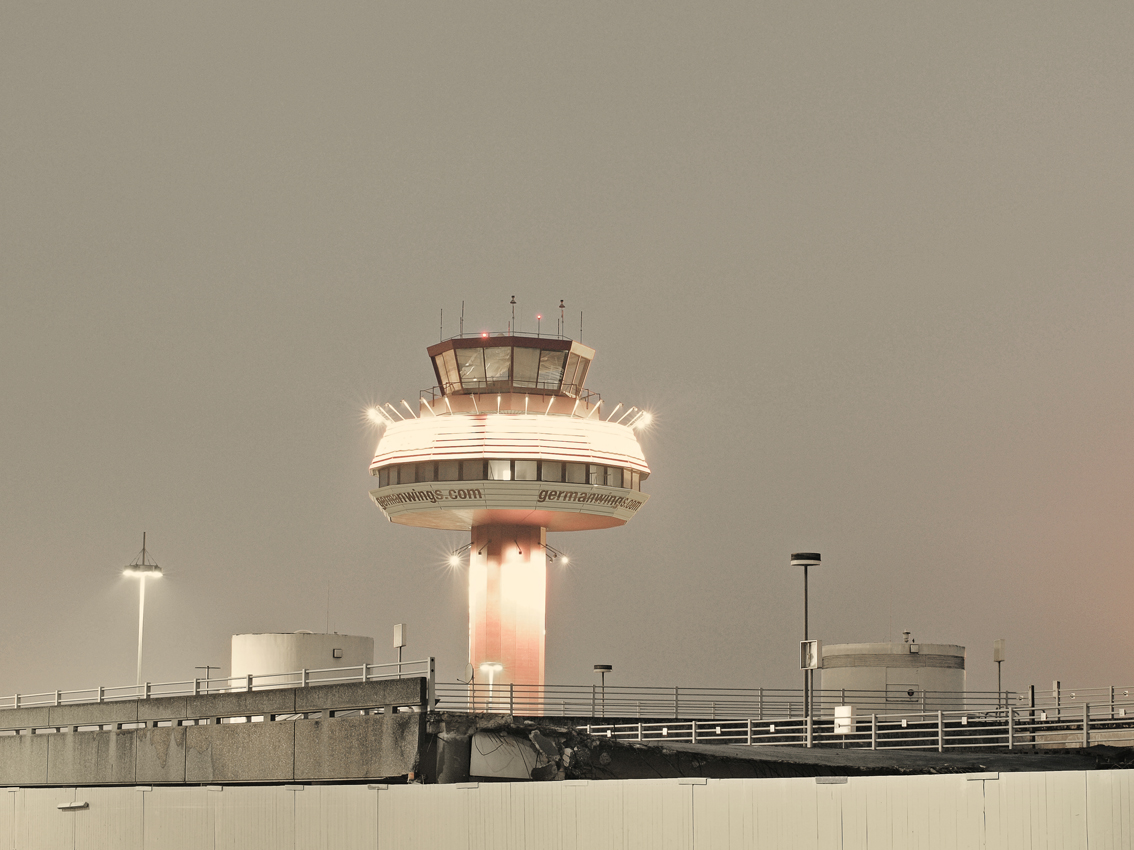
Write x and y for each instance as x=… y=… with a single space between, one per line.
x=141 y=570
x=602 y=670
x=805 y=560
x=998 y=657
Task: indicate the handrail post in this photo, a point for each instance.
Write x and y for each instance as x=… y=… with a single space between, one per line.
x=248 y=683
x=1086 y=724
x=1112 y=702
x=364 y=672
x=57 y=697
x=639 y=731
x=593 y=700
x=1011 y=728
x=512 y=698
x=100 y=692
x=16 y=700
x=431 y=683
x=146 y=692
x=693 y=731
x=196 y=687
x=303 y=678
x=940 y=731
x=748 y=740
x=873 y=731
x=676 y=705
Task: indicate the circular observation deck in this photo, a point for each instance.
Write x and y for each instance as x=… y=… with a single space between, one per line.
x=509 y=437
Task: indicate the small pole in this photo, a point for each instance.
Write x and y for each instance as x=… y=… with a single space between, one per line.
x=874 y=731
x=1011 y=728
x=940 y=732
x=1086 y=724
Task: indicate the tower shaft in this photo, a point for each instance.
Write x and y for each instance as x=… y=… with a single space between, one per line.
x=507 y=603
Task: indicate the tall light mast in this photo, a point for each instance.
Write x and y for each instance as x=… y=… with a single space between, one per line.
x=509 y=445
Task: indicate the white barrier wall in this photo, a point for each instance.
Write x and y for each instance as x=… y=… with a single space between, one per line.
x=286 y=652
x=1069 y=810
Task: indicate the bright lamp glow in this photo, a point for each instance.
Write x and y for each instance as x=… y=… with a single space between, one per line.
x=374 y=416
x=454 y=560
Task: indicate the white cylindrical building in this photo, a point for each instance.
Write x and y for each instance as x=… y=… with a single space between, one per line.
x=274 y=653
x=896 y=677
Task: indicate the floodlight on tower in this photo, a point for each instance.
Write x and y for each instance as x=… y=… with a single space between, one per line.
x=509 y=446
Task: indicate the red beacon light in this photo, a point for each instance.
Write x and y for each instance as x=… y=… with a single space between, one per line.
x=484 y=334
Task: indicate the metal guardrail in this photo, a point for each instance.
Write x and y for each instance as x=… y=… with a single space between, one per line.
x=1006 y=728
x=712 y=703
x=199 y=687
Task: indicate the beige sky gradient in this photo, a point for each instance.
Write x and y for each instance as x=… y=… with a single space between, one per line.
x=870 y=264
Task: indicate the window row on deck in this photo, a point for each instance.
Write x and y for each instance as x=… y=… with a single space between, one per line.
x=504 y=367
x=482 y=469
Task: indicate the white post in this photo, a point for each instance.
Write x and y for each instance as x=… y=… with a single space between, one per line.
x=874 y=731
x=809 y=731
x=940 y=732
x=141 y=620
x=748 y=740
x=1086 y=724
x=1011 y=727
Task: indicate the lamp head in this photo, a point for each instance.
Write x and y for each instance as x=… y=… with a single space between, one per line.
x=143 y=571
x=805 y=559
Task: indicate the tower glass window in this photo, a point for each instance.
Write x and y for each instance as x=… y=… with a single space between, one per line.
x=527 y=367
x=551 y=369
x=500 y=470
x=497 y=365
x=471 y=363
x=525 y=470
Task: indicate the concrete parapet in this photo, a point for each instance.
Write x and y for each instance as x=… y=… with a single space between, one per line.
x=240 y=752
x=160 y=755
x=366 y=747
x=162 y=708
x=361 y=694
x=94 y=758
x=93 y=713
x=23 y=718
x=23 y=759
x=241 y=704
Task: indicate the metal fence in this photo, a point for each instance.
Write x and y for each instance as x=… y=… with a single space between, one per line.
x=198 y=687
x=619 y=701
x=1006 y=728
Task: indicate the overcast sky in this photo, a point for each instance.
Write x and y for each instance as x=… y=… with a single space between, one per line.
x=869 y=264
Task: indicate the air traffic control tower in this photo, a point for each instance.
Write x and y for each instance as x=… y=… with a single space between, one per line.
x=510 y=445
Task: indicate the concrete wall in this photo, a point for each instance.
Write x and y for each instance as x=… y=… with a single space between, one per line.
x=1073 y=810
x=361 y=747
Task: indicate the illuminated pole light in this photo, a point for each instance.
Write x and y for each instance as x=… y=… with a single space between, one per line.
x=491 y=668
x=141 y=570
x=509 y=475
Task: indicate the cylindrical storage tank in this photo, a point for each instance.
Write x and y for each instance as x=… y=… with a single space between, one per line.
x=894 y=678
x=285 y=652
